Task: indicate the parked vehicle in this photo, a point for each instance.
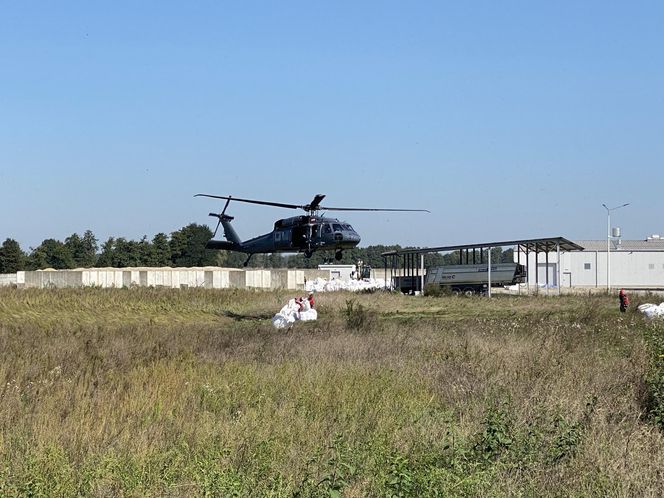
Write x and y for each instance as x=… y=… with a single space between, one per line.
x=466 y=279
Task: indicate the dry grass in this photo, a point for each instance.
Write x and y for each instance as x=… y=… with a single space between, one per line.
x=171 y=393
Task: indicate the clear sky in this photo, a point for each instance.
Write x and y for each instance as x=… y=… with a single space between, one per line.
x=505 y=119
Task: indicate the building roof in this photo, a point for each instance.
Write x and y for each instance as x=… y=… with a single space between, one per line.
x=624 y=245
x=540 y=245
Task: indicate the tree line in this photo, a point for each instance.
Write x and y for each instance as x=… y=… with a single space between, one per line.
x=185 y=248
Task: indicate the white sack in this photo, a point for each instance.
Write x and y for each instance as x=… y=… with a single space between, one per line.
x=323 y=285
x=652 y=310
x=290 y=313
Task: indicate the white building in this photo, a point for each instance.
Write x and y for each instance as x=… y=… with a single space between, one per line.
x=339 y=272
x=634 y=264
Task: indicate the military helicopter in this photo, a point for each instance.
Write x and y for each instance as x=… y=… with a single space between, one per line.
x=306 y=233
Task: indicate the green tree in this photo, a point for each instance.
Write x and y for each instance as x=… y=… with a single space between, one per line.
x=83 y=249
x=162 y=250
x=188 y=246
x=88 y=256
x=126 y=253
x=107 y=254
x=12 y=257
x=146 y=253
x=50 y=253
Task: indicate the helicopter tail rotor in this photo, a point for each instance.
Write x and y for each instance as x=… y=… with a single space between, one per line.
x=221 y=216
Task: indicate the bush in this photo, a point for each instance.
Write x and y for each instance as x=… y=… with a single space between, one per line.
x=654 y=380
x=435 y=290
x=358 y=318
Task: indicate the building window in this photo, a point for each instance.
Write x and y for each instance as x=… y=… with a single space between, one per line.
x=586 y=266
x=651 y=266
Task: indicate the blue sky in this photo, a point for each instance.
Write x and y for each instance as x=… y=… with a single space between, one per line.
x=505 y=119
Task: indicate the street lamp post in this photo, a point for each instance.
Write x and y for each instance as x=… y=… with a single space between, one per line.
x=608 y=243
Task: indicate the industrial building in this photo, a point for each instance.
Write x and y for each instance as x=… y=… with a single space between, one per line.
x=630 y=264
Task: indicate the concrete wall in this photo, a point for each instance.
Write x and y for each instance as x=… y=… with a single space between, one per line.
x=54 y=278
x=207 y=277
x=7 y=279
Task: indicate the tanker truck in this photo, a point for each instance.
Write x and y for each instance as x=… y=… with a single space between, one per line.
x=467 y=279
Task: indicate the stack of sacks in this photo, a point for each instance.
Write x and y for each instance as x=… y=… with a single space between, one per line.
x=322 y=285
x=294 y=310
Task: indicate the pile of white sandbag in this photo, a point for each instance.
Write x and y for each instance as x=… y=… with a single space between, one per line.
x=293 y=311
x=652 y=310
x=323 y=285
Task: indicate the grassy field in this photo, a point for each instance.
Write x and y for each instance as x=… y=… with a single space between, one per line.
x=147 y=392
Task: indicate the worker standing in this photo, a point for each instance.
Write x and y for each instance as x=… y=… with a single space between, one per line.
x=624 y=300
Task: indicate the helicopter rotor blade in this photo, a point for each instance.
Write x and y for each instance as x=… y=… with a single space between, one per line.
x=223 y=211
x=216 y=228
x=251 y=201
x=314 y=205
x=371 y=209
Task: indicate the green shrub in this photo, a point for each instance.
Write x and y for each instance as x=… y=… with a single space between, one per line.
x=358 y=318
x=654 y=379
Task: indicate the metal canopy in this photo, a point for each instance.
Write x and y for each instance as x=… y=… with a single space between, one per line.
x=537 y=245
x=403 y=264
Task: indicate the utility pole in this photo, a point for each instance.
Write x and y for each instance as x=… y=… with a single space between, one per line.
x=608 y=244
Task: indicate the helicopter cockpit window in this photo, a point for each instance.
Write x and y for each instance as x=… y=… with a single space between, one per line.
x=337 y=227
x=349 y=228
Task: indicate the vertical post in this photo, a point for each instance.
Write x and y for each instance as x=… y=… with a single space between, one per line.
x=528 y=269
x=385 y=272
x=608 y=243
x=488 y=258
x=536 y=269
x=518 y=262
x=559 y=263
x=608 y=251
x=403 y=273
x=546 y=266
x=422 y=277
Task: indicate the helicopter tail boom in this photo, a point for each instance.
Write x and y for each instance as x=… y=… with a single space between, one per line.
x=229 y=232
x=221 y=244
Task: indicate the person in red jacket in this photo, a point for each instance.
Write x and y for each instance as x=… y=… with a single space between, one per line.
x=624 y=300
x=311 y=299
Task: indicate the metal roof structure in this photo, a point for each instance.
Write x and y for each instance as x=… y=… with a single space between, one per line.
x=547 y=244
x=404 y=268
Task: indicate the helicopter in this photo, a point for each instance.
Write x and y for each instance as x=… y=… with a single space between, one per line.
x=305 y=233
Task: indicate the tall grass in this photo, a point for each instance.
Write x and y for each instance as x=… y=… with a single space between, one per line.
x=148 y=392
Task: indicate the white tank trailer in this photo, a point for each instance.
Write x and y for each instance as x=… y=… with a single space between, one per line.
x=467 y=279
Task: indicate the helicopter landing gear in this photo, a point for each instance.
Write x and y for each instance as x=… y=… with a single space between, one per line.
x=338 y=255
x=247 y=261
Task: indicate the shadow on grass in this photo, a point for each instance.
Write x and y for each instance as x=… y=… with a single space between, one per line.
x=239 y=317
